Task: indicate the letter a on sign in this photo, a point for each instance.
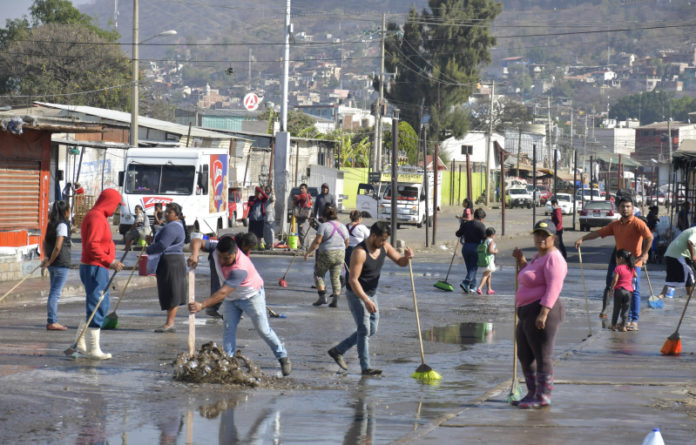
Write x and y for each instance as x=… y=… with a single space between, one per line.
x=251 y=102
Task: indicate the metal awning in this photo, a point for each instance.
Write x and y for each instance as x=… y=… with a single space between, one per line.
x=613 y=158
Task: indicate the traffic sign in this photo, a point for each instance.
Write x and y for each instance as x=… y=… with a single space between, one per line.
x=251 y=102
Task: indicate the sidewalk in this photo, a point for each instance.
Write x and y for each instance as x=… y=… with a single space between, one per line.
x=609 y=372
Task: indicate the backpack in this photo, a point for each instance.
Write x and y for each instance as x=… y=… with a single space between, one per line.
x=484 y=258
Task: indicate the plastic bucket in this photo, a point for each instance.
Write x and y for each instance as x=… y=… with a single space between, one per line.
x=670 y=292
x=293 y=241
x=142 y=265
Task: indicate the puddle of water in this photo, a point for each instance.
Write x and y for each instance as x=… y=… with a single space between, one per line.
x=460 y=333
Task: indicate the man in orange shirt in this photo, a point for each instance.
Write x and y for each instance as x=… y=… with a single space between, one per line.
x=632 y=234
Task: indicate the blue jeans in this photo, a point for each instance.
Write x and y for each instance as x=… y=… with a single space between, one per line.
x=471 y=261
x=367 y=327
x=255 y=308
x=95 y=279
x=634 y=311
x=58 y=276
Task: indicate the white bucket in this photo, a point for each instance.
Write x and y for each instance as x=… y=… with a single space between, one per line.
x=670 y=292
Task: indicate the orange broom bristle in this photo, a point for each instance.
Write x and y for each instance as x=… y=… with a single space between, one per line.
x=671 y=347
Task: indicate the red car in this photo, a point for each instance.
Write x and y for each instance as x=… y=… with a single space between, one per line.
x=544 y=194
x=239 y=210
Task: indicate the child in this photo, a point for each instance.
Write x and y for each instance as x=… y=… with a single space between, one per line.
x=487 y=261
x=622 y=286
x=140 y=229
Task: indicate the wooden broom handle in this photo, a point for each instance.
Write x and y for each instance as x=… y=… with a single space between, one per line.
x=415 y=307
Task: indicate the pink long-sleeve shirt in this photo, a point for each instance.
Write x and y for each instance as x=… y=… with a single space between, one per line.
x=542 y=279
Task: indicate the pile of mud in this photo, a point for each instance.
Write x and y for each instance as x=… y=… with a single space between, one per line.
x=211 y=365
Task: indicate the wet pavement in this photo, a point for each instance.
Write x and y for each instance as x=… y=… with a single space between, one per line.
x=610 y=387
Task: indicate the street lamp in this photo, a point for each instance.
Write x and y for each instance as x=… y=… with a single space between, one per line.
x=136 y=92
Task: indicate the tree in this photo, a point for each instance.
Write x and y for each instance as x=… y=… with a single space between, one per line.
x=408 y=141
x=437 y=56
x=67 y=60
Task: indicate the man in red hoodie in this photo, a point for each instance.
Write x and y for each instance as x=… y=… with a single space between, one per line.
x=98 y=256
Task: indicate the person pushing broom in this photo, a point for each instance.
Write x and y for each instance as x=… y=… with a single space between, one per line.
x=366 y=263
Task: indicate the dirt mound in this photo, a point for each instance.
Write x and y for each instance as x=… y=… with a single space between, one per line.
x=211 y=365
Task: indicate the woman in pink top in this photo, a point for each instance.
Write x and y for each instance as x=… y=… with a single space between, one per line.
x=540 y=313
x=622 y=286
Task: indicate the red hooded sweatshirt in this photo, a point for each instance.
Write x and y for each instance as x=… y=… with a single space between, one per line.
x=98 y=249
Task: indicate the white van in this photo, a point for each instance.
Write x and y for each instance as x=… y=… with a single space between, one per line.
x=194 y=178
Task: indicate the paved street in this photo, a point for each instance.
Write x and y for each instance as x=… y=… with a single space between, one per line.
x=609 y=386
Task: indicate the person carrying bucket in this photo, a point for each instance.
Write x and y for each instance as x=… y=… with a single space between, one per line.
x=680 y=257
x=471 y=233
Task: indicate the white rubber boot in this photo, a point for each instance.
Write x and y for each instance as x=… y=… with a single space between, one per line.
x=81 y=345
x=93 y=349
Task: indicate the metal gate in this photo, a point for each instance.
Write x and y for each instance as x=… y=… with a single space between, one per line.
x=20 y=192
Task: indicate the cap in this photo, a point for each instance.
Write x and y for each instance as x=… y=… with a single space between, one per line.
x=325 y=185
x=545 y=225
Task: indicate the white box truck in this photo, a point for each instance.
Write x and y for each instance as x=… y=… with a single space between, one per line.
x=195 y=178
x=410 y=198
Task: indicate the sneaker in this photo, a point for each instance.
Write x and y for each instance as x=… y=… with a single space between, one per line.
x=338 y=358
x=285 y=366
x=212 y=312
x=464 y=288
x=491 y=292
x=371 y=372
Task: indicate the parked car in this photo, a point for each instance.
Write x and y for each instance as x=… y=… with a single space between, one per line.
x=565 y=202
x=545 y=194
x=588 y=195
x=238 y=209
x=313 y=191
x=536 y=195
x=518 y=197
x=597 y=214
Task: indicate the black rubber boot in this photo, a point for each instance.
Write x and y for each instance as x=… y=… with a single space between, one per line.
x=322 y=298
x=334 y=300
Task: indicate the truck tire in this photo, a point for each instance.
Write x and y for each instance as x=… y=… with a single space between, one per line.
x=420 y=224
x=233 y=220
x=529 y=206
x=398 y=225
x=365 y=214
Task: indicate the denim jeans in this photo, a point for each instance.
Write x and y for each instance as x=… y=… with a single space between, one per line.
x=255 y=308
x=367 y=327
x=58 y=276
x=95 y=279
x=471 y=261
x=634 y=311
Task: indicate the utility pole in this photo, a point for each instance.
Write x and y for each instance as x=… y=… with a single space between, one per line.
x=136 y=93
x=378 y=109
x=281 y=157
x=548 y=129
x=249 y=74
x=584 y=154
x=426 y=183
x=395 y=175
x=490 y=145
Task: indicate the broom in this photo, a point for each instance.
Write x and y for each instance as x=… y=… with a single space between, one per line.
x=584 y=289
x=111 y=320
x=515 y=394
x=281 y=281
x=424 y=372
x=672 y=345
x=20 y=282
x=444 y=285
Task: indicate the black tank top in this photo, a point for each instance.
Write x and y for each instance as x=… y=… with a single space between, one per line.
x=369 y=277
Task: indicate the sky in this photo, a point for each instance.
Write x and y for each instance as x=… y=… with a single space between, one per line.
x=13 y=9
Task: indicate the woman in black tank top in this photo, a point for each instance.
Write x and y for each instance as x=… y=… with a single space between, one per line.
x=369 y=277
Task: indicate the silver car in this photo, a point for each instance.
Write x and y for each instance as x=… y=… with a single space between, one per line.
x=597 y=214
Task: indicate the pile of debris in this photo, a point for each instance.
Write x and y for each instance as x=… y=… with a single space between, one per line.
x=211 y=365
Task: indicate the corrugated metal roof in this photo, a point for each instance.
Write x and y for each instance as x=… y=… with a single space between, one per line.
x=148 y=122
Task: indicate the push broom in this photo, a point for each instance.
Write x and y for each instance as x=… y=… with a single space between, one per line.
x=20 y=282
x=515 y=390
x=72 y=351
x=673 y=345
x=424 y=372
x=281 y=281
x=444 y=285
x=111 y=320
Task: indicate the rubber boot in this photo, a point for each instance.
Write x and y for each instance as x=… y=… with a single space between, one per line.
x=81 y=345
x=334 y=300
x=322 y=298
x=285 y=366
x=530 y=381
x=543 y=393
x=93 y=349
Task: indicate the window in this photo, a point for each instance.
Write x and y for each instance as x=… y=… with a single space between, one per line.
x=142 y=179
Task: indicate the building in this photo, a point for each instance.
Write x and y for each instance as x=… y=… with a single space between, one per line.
x=652 y=141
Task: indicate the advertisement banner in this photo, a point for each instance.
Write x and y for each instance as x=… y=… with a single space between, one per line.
x=218 y=183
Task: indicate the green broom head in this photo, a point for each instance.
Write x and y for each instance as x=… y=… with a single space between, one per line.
x=426 y=374
x=444 y=285
x=110 y=322
x=515 y=393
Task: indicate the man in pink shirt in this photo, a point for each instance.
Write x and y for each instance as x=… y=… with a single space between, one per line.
x=242 y=291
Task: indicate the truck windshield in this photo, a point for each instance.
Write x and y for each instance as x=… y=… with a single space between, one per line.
x=143 y=179
x=405 y=192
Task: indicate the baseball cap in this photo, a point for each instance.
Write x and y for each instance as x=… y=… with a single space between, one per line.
x=545 y=225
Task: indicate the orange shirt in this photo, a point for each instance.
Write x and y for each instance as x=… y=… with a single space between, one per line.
x=628 y=235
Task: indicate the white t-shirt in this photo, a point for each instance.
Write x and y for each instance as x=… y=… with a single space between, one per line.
x=62 y=230
x=359 y=234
